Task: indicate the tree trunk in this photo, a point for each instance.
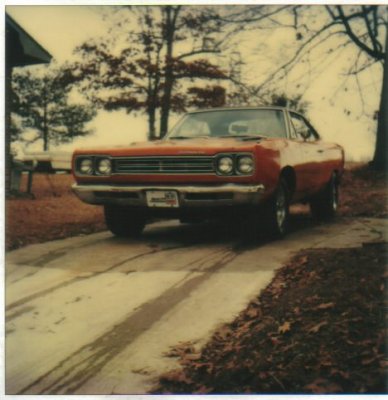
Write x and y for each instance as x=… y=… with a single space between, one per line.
x=7 y=135
x=379 y=162
x=152 y=101
x=45 y=129
x=151 y=123
x=170 y=22
x=166 y=103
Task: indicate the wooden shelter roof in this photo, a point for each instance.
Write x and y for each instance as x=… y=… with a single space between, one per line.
x=21 y=48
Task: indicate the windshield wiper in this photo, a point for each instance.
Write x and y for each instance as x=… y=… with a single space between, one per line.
x=253 y=137
x=188 y=137
x=243 y=137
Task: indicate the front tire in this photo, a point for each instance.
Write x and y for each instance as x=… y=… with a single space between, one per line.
x=277 y=212
x=124 y=221
x=324 y=205
x=271 y=219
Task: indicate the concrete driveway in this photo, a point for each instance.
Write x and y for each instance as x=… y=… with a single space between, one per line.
x=97 y=314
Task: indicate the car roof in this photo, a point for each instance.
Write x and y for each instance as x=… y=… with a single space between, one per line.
x=280 y=108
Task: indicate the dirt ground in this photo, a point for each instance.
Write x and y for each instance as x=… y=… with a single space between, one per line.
x=320 y=327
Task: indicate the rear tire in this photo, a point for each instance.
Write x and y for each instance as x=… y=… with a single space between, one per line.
x=324 y=205
x=124 y=221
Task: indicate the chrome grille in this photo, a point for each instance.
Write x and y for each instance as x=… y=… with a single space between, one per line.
x=164 y=165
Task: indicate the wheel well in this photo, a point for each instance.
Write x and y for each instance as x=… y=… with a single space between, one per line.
x=288 y=174
x=337 y=176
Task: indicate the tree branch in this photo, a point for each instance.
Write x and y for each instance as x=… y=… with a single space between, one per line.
x=231 y=19
x=369 y=29
x=297 y=55
x=348 y=29
x=196 y=52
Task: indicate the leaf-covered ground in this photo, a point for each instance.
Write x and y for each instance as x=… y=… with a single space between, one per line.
x=320 y=327
x=363 y=192
x=52 y=212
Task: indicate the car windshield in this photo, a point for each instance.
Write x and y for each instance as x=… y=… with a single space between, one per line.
x=231 y=123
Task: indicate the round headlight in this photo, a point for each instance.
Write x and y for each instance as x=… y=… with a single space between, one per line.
x=225 y=165
x=104 y=166
x=245 y=165
x=86 y=166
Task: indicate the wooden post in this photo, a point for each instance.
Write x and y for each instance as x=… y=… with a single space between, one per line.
x=29 y=181
x=7 y=130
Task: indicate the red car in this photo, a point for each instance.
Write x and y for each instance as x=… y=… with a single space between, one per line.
x=247 y=164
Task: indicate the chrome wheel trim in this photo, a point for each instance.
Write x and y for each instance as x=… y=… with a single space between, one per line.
x=334 y=195
x=281 y=210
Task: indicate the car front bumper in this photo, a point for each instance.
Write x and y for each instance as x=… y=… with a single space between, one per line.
x=188 y=195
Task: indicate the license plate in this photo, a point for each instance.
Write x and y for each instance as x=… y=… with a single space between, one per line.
x=162 y=198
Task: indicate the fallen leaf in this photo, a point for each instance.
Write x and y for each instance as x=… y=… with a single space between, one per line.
x=192 y=357
x=302 y=260
x=323 y=386
x=311 y=299
x=252 y=312
x=284 y=328
x=326 y=362
x=317 y=327
x=176 y=376
x=223 y=333
x=343 y=374
x=256 y=302
x=383 y=363
x=275 y=341
x=368 y=361
x=203 y=390
x=325 y=306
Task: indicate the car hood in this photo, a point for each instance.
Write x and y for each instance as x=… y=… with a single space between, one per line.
x=200 y=146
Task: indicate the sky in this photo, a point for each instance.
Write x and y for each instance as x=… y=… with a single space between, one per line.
x=61 y=28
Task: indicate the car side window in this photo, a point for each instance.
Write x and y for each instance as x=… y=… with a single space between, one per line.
x=302 y=129
x=194 y=125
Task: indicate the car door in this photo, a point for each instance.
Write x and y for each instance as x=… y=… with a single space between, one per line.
x=309 y=166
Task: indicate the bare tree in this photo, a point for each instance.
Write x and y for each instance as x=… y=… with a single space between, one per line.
x=365 y=27
x=161 y=55
x=362 y=25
